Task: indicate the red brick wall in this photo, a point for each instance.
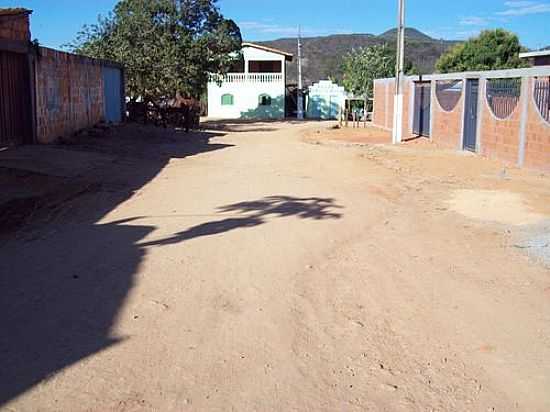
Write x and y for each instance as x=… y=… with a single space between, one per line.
x=15 y=27
x=499 y=138
x=69 y=91
x=379 y=110
x=384 y=93
x=537 y=146
x=447 y=126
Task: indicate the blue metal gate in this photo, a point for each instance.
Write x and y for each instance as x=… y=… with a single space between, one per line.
x=112 y=85
x=470 y=114
x=422 y=108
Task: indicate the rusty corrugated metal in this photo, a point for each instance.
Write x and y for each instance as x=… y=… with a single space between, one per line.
x=15 y=99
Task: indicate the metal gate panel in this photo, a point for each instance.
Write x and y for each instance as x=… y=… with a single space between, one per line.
x=470 y=114
x=112 y=85
x=422 y=108
x=15 y=99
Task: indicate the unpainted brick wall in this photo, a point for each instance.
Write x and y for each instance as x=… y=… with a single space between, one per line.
x=384 y=94
x=69 y=94
x=384 y=91
x=447 y=126
x=15 y=27
x=537 y=147
x=499 y=138
x=379 y=105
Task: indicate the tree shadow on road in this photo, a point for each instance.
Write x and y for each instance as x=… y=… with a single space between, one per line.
x=63 y=282
x=255 y=213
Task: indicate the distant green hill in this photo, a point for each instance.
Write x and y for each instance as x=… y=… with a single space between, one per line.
x=323 y=55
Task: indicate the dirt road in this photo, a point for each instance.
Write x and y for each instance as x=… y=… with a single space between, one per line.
x=274 y=269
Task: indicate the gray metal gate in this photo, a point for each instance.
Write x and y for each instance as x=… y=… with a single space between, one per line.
x=542 y=97
x=15 y=99
x=470 y=114
x=422 y=107
x=113 y=90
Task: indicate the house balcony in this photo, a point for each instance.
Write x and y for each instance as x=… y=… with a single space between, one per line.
x=248 y=78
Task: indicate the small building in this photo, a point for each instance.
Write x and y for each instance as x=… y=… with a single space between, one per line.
x=326 y=100
x=46 y=94
x=537 y=58
x=255 y=89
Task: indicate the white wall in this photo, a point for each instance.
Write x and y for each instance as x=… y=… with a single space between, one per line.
x=245 y=99
x=325 y=100
x=246 y=94
x=251 y=53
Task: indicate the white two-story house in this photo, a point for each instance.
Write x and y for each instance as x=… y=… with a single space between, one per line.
x=254 y=90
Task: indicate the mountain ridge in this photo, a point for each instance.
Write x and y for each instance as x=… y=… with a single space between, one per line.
x=322 y=55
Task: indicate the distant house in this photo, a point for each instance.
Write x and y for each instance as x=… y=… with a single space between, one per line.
x=537 y=58
x=255 y=89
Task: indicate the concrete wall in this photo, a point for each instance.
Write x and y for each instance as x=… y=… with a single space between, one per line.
x=69 y=94
x=15 y=27
x=522 y=139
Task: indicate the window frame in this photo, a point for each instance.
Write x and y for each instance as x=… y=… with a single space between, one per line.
x=232 y=99
x=268 y=101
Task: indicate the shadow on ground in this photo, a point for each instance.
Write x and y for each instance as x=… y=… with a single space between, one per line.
x=255 y=213
x=247 y=125
x=62 y=282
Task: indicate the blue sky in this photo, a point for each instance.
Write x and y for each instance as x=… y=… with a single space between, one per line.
x=56 y=22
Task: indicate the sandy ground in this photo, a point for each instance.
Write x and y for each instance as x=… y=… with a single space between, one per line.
x=276 y=267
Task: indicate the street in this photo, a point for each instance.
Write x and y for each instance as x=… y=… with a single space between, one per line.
x=270 y=268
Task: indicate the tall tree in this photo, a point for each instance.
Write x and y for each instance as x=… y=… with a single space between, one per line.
x=168 y=47
x=491 y=50
x=361 y=67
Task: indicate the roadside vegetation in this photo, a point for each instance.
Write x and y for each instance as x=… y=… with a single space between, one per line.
x=361 y=67
x=167 y=47
x=491 y=50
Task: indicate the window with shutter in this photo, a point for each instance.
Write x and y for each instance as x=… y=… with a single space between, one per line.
x=227 y=100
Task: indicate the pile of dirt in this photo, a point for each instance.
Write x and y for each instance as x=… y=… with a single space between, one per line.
x=332 y=132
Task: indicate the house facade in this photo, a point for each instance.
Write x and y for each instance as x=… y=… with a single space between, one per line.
x=254 y=90
x=537 y=58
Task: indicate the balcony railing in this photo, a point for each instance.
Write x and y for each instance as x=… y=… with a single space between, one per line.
x=248 y=78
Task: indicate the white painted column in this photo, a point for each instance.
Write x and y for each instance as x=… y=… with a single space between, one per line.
x=398 y=101
x=525 y=97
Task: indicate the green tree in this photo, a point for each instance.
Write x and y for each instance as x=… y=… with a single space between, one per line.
x=361 y=67
x=168 y=47
x=491 y=50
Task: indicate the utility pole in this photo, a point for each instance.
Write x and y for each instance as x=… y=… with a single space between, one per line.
x=300 y=100
x=399 y=77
